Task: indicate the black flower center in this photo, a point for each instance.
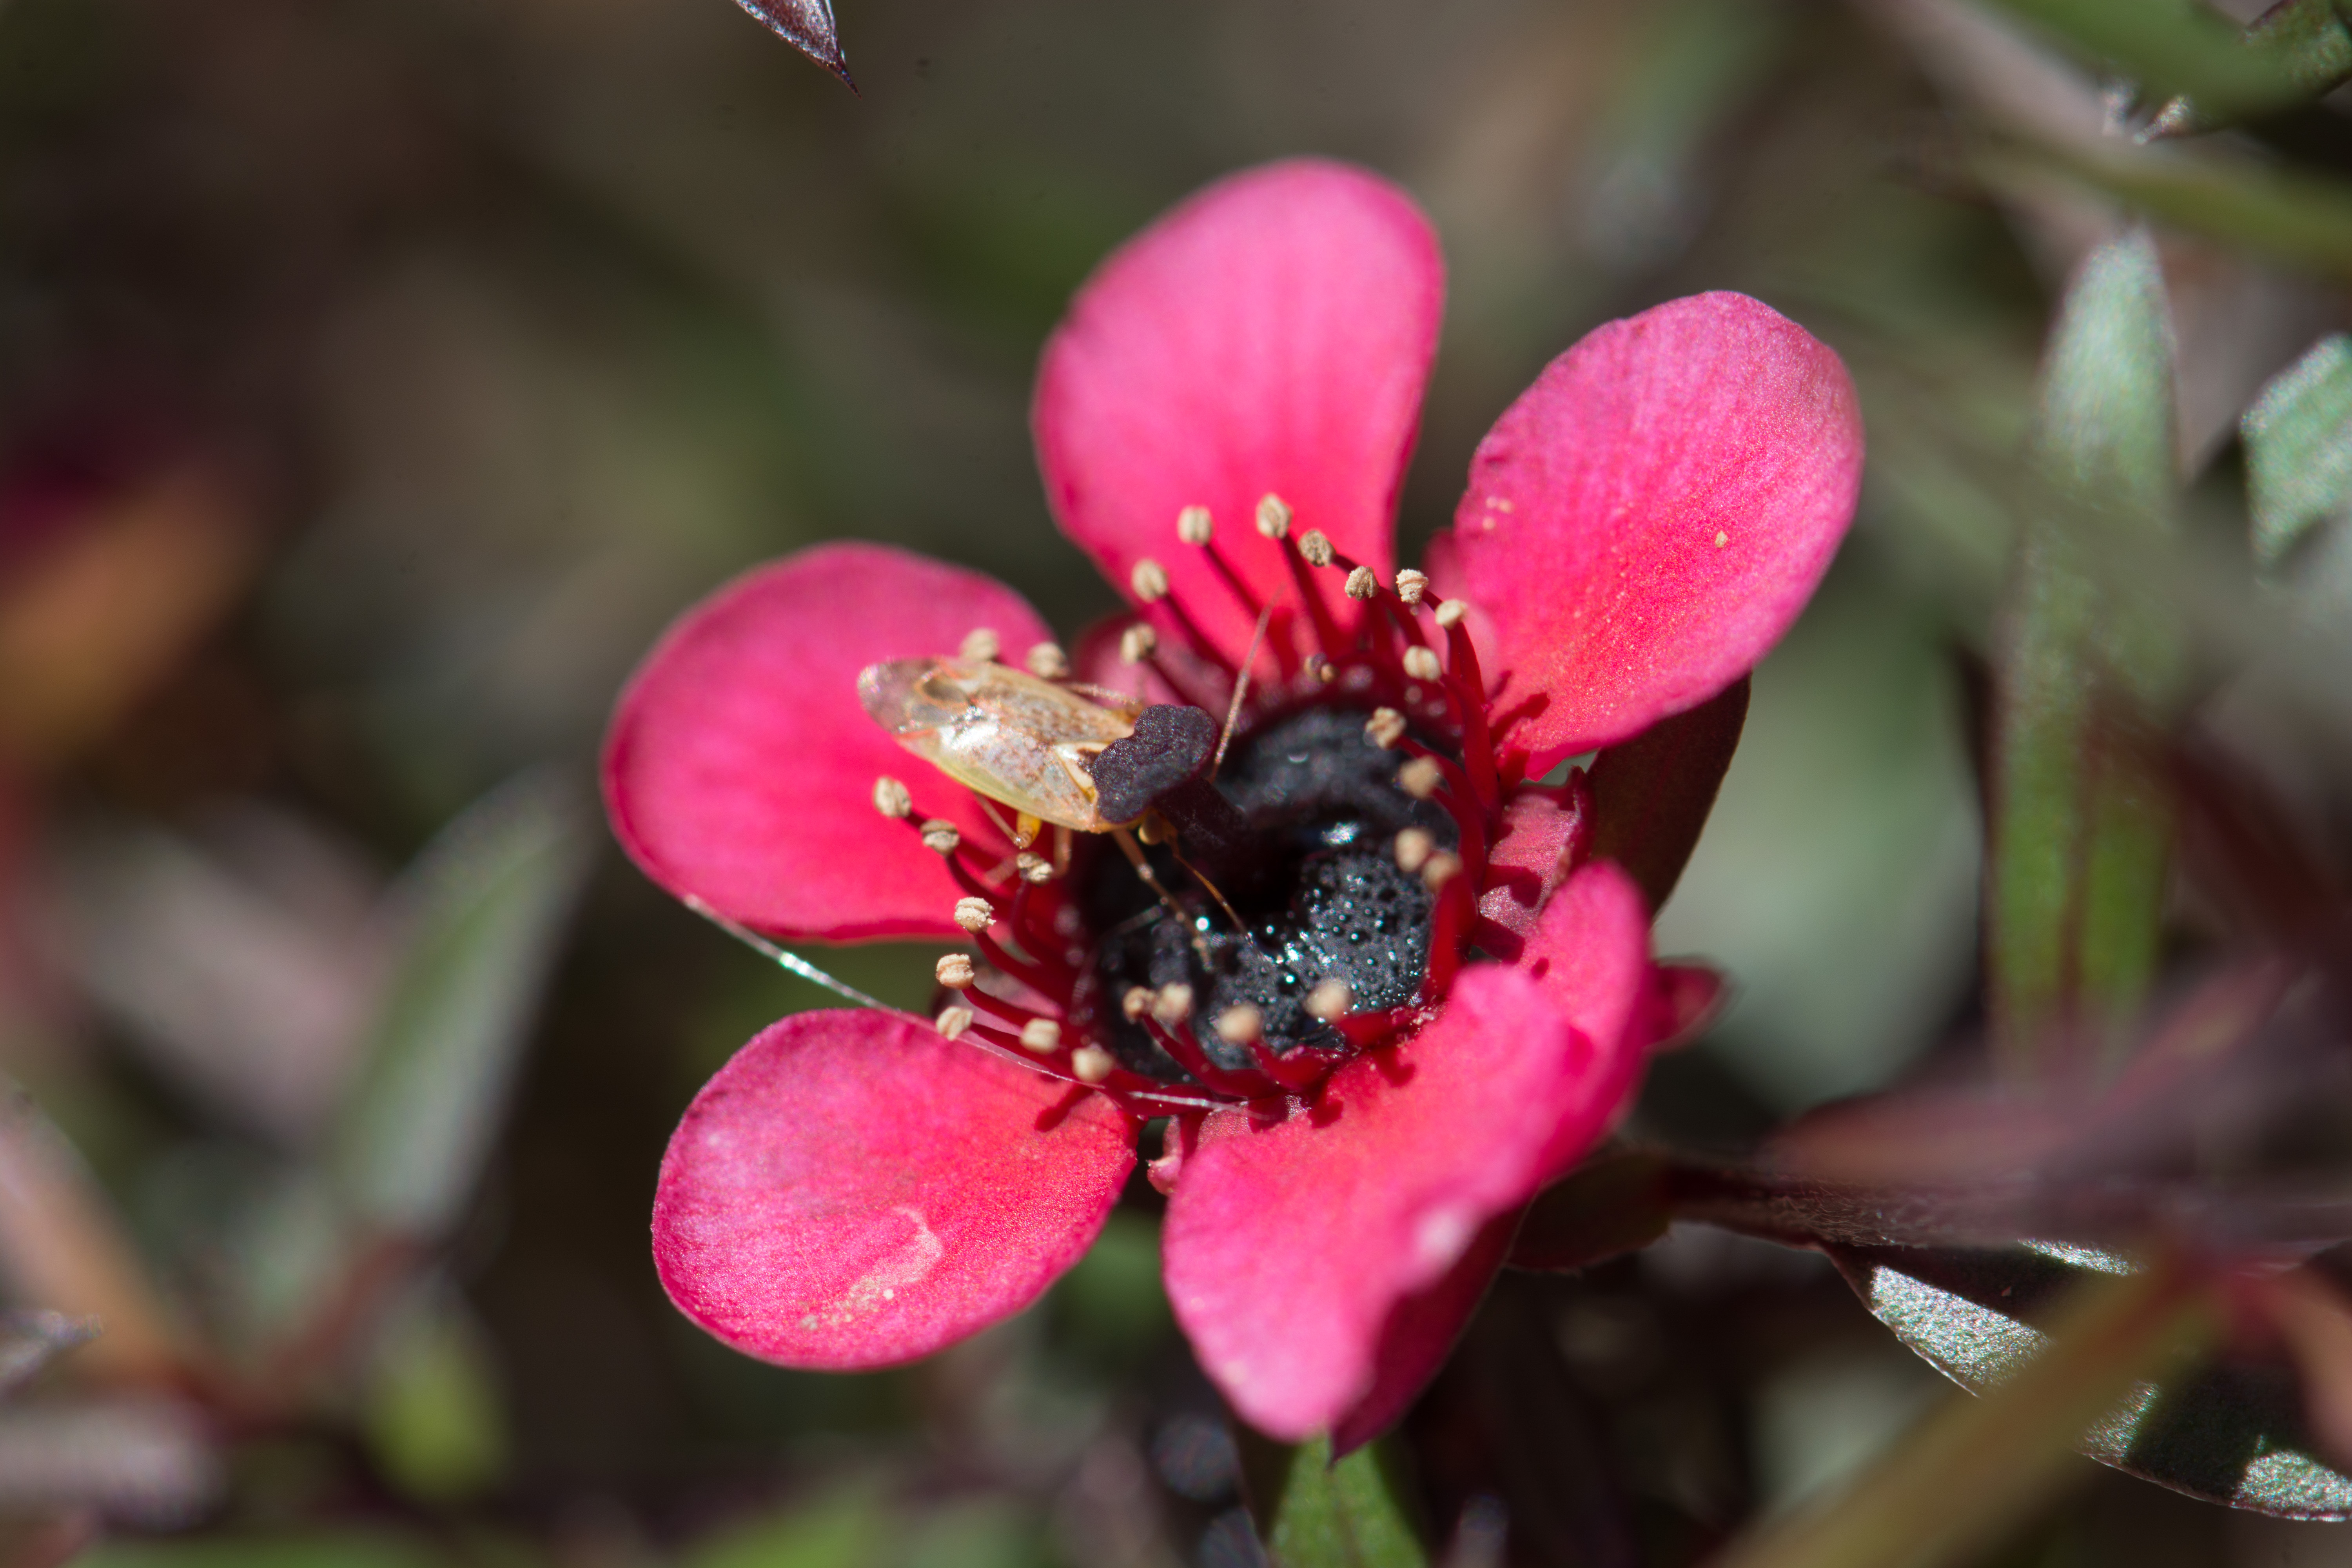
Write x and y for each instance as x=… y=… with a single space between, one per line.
x=1317 y=892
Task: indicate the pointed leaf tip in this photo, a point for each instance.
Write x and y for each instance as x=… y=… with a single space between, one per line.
x=808 y=26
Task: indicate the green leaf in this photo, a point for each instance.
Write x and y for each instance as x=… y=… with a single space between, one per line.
x=2298 y=437
x=1976 y=1467
x=2082 y=813
x=850 y=1528
x=431 y=1408
x=2309 y=43
x=354 y=1550
x=2300 y=220
x=489 y=900
x=2177 y=47
x=1313 y=1513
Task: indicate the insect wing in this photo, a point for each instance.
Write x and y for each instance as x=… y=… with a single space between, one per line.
x=1008 y=735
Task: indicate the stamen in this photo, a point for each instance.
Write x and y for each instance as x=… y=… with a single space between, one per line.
x=979 y=646
x=1041 y=1034
x=1150 y=581
x=1047 y=662
x=1421 y=664
x=975 y=915
x=1194 y=526
x=1138 y=643
x=1385 y=727
x=1362 y=583
x=953 y=1021
x=1419 y=778
x=1440 y=868
x=1033 y=868
x=1411 y=585
x=1316 y=546
x=1136 y=1003
x=1414 y=846
x=1273 y=516
x=892 y=799
x=1092 y=1064
x=1240 y=1023
x=1469 y=688
x=955 y=970
x=1330 y=1000
x=1172 y=1002
x=940 y=836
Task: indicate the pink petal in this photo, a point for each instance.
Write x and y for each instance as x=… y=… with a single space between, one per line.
x=1651 y=514
x=1542 y=835
x=1291 y=1241
x=1272 y=334
x=1590 y=951
x=852 y=1191
x=1420 y=1335
x=740 y=768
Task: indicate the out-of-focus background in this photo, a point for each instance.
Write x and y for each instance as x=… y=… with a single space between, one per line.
x=377 y=377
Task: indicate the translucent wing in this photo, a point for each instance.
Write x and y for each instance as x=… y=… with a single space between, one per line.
x=1010 y=736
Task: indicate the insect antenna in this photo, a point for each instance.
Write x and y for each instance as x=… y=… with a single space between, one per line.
x=1134 y=853
x=1222 y=902
x=1241 y=690
x=786 y=959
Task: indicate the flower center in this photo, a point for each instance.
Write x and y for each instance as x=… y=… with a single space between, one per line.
x=1320 y=910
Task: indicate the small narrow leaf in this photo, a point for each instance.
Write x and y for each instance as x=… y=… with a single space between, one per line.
x=2232 y=1432
x=808 y=26
x=2298 y=436
x=2306 y=41
x=491 y=898
x=2173 y=46
x=1977 y=1467
x=2081 y=814
x=1313 y=1513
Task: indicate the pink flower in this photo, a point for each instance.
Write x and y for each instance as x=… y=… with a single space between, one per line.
x=856 y=1188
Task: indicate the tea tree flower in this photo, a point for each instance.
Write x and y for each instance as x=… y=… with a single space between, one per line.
x=1323 y=916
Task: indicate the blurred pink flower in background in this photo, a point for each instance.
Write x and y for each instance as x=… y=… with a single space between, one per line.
x=1223 y=420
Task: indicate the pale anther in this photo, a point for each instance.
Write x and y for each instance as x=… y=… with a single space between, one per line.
x=1047 y=661
x=1041 y=1034
x=1450 y=614
x=1035 y=868
x=975 y=915
x=1238 y=1026
x=1419 y=778
x=1330 y=1000
x=1194 y=526
x=979 y=646
x=1273 y=516
x=1316 y=546
x=940 y=837
x=1440 y=868
x=1091 y=1064
x=1414 y=846
x=891 y=799
x=1362 y=583
x=1136 y=1003
x=1385 y=727
x=953 y=1021
x=1411 y=586
x=1173 y=1003
x=1422 y=664
x=1138 y=643
x=954 y=970
x=1150 y=581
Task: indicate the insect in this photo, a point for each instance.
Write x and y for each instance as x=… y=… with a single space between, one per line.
x=1023 y=742
x=1052 y=755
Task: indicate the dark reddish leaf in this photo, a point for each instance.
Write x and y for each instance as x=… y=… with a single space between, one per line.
x=1652 y=795
x=808 y=26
